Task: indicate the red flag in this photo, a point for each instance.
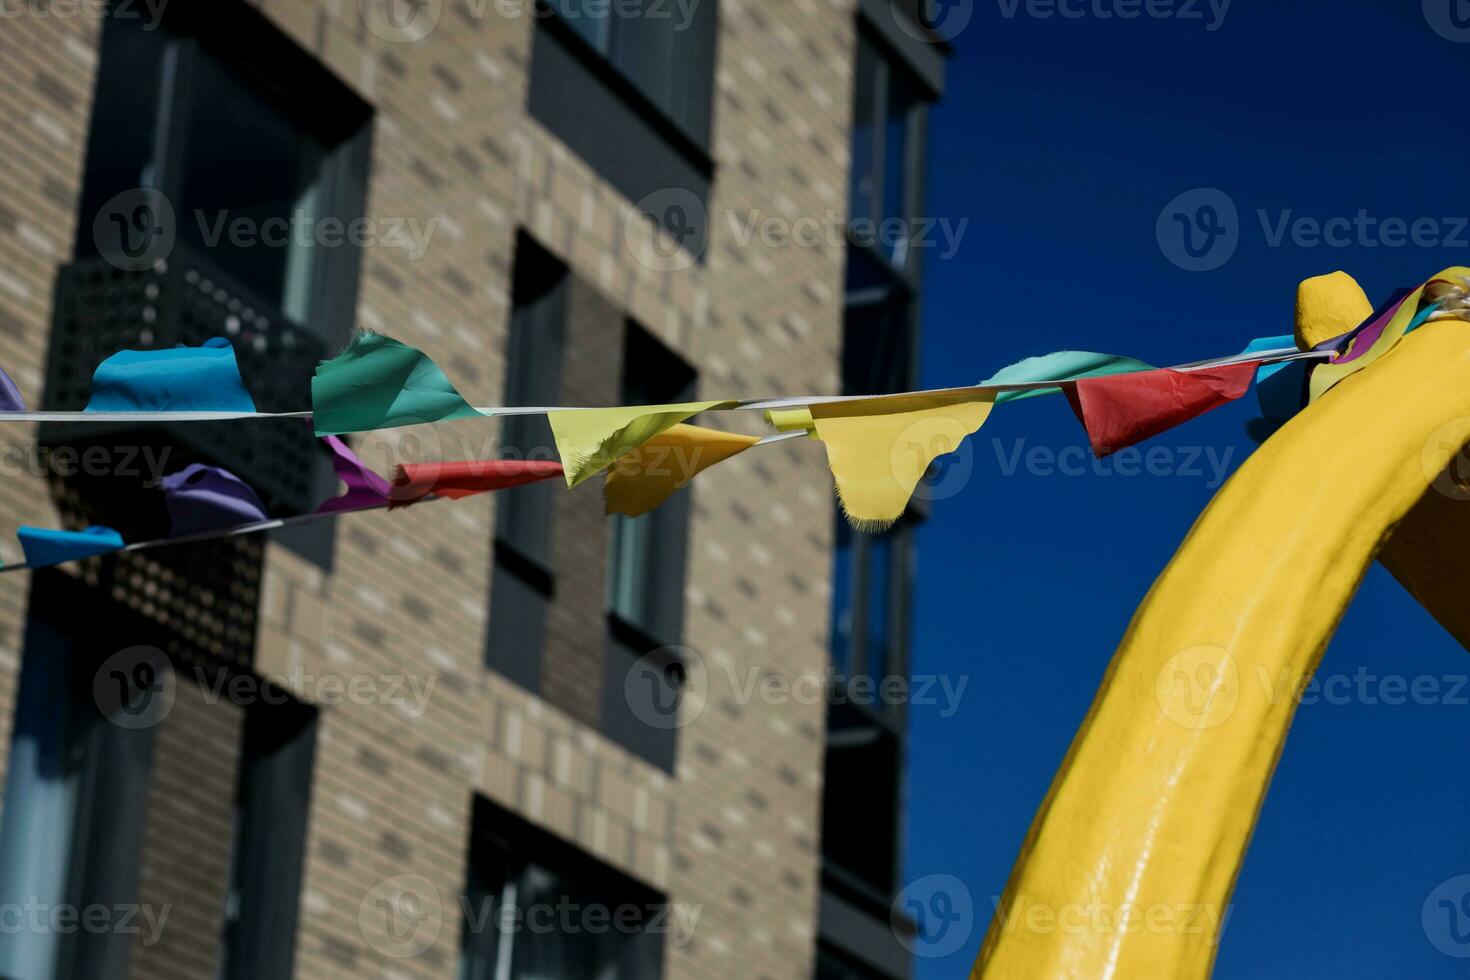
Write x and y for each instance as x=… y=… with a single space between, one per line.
x=1124 y=409
x=413 y=482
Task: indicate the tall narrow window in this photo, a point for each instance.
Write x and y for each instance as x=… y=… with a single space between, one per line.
x=272 y=802
x=523 y=578
x=629 y=87
x=646 y=561
x=645 y=582
x=887 y=152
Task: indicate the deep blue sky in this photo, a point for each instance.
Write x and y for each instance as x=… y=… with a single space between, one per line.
x=1062 y=141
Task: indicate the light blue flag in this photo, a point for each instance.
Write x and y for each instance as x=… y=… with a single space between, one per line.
x=178 y=379
x=45 y=546
x=1064 y=365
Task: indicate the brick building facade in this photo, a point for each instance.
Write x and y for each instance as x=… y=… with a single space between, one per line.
x=283 y=818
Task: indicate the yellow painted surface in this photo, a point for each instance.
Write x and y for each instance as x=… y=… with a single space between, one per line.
x=1128 y=869
x=1329 y=306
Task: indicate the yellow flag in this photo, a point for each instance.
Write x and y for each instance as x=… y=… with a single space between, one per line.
x=644 y=478
x=589 y=439
x=792 y=420
x=879 y=448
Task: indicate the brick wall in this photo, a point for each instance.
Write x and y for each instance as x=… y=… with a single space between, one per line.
x=733 y=833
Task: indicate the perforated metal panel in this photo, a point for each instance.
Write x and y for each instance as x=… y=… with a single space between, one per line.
x=100 y=310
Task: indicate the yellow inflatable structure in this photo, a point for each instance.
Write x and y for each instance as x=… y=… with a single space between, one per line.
x=1142 y=834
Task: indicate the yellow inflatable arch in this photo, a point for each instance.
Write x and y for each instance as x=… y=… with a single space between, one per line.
x=1142 y=834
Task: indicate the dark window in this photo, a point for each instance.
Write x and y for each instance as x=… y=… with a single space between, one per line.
x=81 y=759
x=272 y=802
x=262 y=184
x=523 y=580
x=645 y=581
x=535 y=907
x=667 y=53
x=862 y=774
x=887 y=152
x=628 y=87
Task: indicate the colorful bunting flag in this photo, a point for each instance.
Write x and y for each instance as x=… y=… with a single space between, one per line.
x=10 y=397
x=365 y=489
x=202 y=498
x=179 y=379
x=641 y=480
x=1125 y=409
x=879 y=448
x=1380 y=336
x=44 y=547
x=1281 y=388
x=379 y=383
x=1061 y=365
x=413 y=482
x=589 y=439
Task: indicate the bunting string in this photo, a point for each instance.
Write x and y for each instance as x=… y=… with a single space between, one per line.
x=878 y=446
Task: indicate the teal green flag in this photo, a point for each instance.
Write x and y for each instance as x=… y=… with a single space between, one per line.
x=379 y=383
x=1064 y=365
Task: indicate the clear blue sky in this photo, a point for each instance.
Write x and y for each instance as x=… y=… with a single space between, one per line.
x=1062 y=141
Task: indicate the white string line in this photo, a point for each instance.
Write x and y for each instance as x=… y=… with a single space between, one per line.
x=254 y=527
x=762 y=404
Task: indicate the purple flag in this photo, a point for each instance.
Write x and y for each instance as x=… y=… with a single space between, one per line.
x=10 y=399
x=364 y=487
x=202 y=498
